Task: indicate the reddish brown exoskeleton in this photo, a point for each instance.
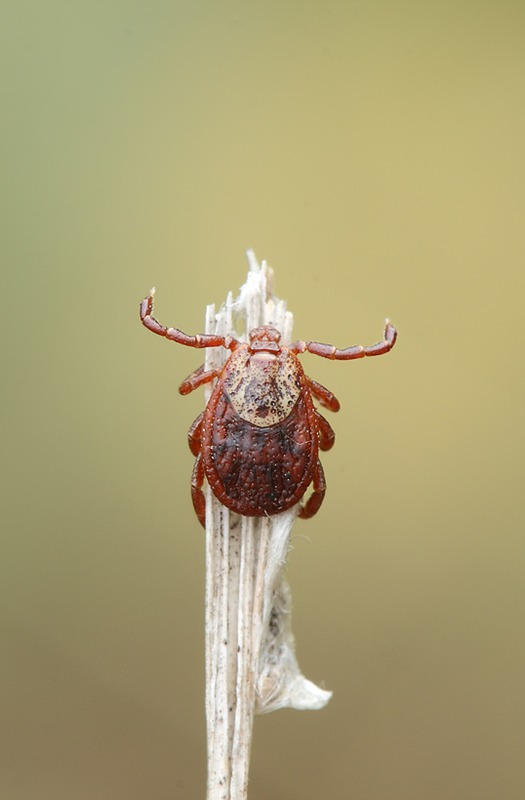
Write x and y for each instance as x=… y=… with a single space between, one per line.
x=257 y=442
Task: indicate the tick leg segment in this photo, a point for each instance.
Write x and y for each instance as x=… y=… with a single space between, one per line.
x=197 y=495
x=176 y=335
x=195 y=435
x=198 y=378
x=323 y=395
x=348 y=353
x=313 y=503
x=326 y=432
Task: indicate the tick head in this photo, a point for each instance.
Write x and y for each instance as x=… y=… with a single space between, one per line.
x=264 y=338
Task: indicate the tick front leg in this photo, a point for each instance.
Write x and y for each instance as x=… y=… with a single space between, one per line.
x=313 y=503
x=176 y=335
x=197 y=495
x=348 y=353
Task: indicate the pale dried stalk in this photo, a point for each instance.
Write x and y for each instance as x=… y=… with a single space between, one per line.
x=250 y=655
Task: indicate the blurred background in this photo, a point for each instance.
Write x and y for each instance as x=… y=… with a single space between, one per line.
x=373 y=153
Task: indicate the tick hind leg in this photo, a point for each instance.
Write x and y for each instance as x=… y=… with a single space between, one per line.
x=197 y=495
x=313 y=503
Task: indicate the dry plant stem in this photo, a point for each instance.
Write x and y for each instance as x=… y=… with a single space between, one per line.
x=244 y=559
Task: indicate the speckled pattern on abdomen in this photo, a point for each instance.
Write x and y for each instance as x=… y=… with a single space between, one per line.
x=257 y=471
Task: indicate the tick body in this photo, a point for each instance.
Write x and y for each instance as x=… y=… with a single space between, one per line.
x=257 y=442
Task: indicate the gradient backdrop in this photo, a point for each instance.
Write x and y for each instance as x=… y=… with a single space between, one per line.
x=373 y=153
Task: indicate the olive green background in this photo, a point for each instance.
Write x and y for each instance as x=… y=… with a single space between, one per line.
x=373 y=152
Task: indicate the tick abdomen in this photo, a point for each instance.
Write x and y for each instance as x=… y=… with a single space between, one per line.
x=259 y=470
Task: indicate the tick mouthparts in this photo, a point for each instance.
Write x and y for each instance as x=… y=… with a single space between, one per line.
x=264 y=345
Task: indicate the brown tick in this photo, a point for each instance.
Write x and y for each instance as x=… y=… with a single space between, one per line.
x=257 y=442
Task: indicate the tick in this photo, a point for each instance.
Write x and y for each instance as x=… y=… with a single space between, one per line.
x=257 y=442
